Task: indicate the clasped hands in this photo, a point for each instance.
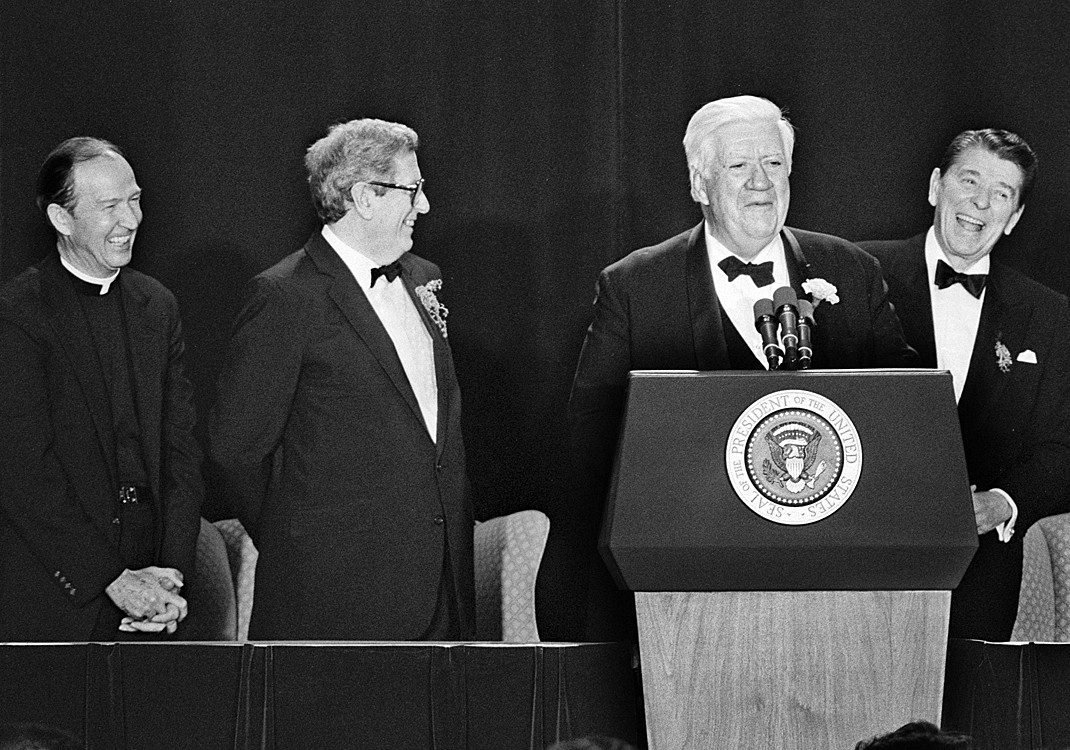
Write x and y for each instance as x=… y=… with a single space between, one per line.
x=150 y=599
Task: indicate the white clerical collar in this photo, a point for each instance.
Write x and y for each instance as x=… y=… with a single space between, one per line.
x=104 y=284
x=774 y=251
x=359 y=264
x=933 y=253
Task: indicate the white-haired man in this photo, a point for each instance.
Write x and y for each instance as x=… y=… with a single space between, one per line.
x=337 y=428
x=687 y=303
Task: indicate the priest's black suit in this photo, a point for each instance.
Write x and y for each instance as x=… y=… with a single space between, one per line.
x=1015 y=424
x=657 y=309
x=59 y=508
x=324 y=454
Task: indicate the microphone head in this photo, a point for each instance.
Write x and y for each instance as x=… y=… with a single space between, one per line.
x=763 y=307
x=785 y=295
x=806 y=310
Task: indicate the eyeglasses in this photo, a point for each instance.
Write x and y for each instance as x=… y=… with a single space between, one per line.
x=417 y=188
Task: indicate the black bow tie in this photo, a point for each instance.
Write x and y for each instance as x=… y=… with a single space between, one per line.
x=761 y=273
x=391 y=271
x=974 y=283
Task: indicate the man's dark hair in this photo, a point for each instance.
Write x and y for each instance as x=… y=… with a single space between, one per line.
x=37 y=737
x=1002 y=143
x=917 y=735
x=55 y=181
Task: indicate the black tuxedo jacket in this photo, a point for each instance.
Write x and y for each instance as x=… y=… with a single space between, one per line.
x=657 y=309
x=1015 y=424
x=324 y=455
x=58 y=487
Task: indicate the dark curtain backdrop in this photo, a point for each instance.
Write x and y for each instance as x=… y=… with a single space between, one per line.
x=551 y=143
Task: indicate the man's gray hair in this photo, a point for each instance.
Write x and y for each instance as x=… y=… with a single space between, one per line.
x=710 y=117
x=353 y=152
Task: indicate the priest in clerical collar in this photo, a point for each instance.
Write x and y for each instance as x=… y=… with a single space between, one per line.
x=100 y=475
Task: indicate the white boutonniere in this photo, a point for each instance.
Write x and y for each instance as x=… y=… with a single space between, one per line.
x=821 y=291
x=1003 y=357
x=435 y=309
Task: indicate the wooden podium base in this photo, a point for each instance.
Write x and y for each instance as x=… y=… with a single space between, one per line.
x=789 y=669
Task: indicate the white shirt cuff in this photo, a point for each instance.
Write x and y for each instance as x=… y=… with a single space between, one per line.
x=1005 y=530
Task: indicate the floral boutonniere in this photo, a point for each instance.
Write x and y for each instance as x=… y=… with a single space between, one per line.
x=435 y=309
x=821 y=291
x=1003 y=357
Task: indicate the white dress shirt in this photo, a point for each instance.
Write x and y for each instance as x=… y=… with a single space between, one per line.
x=738 y=296
x=399 y=316
x=956 y=317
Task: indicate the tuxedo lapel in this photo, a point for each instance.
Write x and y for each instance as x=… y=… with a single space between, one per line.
x=71 y=328
x=707 y=331
x=351 y=300
x=1004 y=321
x=443 y=361
x=914 y=300
x=799 y=268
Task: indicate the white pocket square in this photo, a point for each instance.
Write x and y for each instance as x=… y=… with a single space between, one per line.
x=1028 y=356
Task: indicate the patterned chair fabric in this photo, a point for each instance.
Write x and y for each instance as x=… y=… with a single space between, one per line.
x=508 y=551
x=1044 y=600
x=210 y=592
x=242 y=554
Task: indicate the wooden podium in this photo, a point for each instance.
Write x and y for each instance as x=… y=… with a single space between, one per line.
x=789 y=605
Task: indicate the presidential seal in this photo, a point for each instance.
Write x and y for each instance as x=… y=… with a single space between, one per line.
x=793 y=457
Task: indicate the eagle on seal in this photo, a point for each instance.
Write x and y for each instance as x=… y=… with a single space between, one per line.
x=793 y=449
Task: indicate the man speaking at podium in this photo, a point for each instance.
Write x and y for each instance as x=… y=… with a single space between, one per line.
x=1002 y=336
x=688 y=302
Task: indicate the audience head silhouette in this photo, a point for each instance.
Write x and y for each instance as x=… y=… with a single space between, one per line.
x=28 y=736
x=592 y=742
x=917 y=735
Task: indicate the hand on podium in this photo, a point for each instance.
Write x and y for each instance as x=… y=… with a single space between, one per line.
x=991 y=509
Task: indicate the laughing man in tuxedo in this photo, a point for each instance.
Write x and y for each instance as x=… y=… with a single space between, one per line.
x=687 y=303
x=337 y=429
x=1003 y=337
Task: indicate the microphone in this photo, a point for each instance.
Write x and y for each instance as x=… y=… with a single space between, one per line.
x=785 y=305
x=806 y=325
x=766 y=323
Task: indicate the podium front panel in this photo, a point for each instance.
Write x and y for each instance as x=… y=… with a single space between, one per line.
x=675 y=522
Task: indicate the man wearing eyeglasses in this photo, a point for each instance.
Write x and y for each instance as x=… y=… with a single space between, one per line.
x=337 y=429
